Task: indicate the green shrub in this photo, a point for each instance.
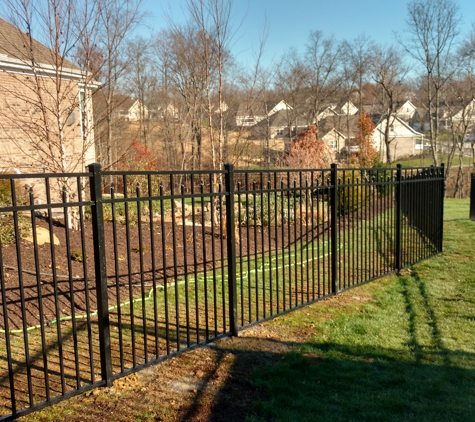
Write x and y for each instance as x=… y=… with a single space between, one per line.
x=76 y=255
x=380 y=175
x=140 y=249
x=7 y=227
x=355 y=196
x=5 y=193
x=256 y=211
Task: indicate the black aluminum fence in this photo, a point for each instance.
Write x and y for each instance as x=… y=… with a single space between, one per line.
x=98 y=282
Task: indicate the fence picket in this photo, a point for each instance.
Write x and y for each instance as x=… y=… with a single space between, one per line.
x=303 y=235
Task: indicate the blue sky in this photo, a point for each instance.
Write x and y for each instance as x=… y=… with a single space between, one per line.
x=290 y=21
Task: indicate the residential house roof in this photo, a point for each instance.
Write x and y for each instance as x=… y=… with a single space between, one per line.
x=15 y=48
x=346 y=125
x=282 y=119
x=413 y=132
x=123 y=102
x=262 y=108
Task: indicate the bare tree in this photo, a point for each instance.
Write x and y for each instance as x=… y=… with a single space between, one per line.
x=179 y=53
x=253 y=90
x=140 y=81
x=324 y=72
x=358 y=55
x=213 y=19
x=45 y=97
x=459 y=97
x=117 y=19
x=388 y=70
x=432 y=28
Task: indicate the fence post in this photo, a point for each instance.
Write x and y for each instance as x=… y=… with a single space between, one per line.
x=472 y=198
x=100 y=272
x=334 y=227
x=398 y=255
x=442 y=197
x=231 y=246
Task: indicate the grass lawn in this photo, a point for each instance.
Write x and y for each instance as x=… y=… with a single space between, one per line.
x=398 y=349
x=426 y=160
x=405 y=353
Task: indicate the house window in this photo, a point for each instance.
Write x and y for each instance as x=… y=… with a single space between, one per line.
x=280 y=132
x=391 y=128
x=82 y=110
x=333 y=144
x=71 y=118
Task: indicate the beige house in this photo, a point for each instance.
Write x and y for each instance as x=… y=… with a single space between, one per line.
x=284 y=124
x=129 y=108
x=407 y=111
x=345 y=109
x=458 y=116
x=45 y=108
x=251 y=114
x=404 y=141
x=339 y=132
x=336 y=142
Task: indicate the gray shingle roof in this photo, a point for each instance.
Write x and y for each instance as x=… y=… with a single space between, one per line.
x=15 y=45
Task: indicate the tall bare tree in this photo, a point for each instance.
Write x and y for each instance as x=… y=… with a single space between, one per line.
x=324 y=71
x=459 y=98
x=46 y=97
x=432 y=30
x=358 y=55
x=213 y=18
x=179 y=51
x=140 y=81
x=388 y=72
x=117 y=19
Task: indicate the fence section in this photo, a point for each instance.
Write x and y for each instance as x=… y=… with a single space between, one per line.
x=421 y=199
x=166 y=263
x=48 y=320
x=104 y=272
x=283 y=241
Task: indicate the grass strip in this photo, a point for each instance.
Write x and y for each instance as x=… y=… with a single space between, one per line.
x=406 y=354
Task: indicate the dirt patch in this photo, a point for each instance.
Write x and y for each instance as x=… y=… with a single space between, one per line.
x=58 y=272
x=138 y=256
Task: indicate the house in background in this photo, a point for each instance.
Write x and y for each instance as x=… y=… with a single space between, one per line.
x=339 y=132
x=130 y=109
x=404 y=141
x=407 y=111
x=251 y=114
x=336 y=142
x=283 y=124
x=42 y=129
x=458 y=115
x=344 y=109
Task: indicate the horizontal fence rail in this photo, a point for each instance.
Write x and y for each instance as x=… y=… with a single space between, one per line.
x=103 y=273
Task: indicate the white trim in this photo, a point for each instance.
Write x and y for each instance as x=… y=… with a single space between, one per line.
x=394 y=117
x=23 y=67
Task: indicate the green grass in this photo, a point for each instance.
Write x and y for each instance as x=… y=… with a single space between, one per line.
x=406 y=355
x=335 y=338
x=426 y=160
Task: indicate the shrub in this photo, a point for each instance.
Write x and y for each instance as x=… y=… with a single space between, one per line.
x=76 y=255
x=140 y=249
x=7 y=227
x=257 y=213
x=380 y=174
x=355 y=196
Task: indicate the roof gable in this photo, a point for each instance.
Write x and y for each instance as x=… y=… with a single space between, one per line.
x=401 y=128
x=15 y=48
